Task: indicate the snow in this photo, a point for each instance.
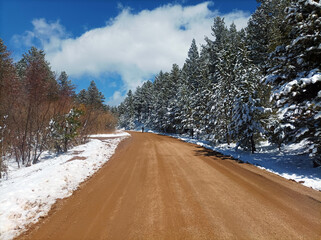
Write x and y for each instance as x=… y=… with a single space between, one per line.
x=312 y=78
x=311 y=2
x=317 y=116
x=291 y=162
x=28 y=193
x=300 y=82
x=117 y=134
x=302 y=132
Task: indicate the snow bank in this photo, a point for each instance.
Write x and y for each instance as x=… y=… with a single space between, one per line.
x=292 y=162
x=29 y=193
x=117 y=134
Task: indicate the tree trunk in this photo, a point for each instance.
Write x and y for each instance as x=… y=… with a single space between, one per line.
x=252 y=144
x=65 y=144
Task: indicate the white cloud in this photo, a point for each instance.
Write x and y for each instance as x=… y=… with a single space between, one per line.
x=50 y=35
x=116 y=99
x=240 y=18
x=135 y=46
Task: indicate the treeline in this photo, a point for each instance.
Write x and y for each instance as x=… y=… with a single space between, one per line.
x=40 y=110
x=260 y=83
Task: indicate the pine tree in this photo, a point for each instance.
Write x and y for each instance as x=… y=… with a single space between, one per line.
x=160 y=102
x=64 y=129
x=176 y=81
x=190 y=90
x=184 y=114
x=94 y=97
x=170 y=83
x=295 y=75
x=138 y=102
x=265 y=31
x=82 y=97
x=192 y=67
x=66 y=88
x=225 y=48
x=147 y=96
x=127 y=110
x=204 y=96
x=246 y=124
x=35 y=72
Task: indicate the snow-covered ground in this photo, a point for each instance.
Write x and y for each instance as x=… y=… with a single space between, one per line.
x=28 y=193
x=291 y=162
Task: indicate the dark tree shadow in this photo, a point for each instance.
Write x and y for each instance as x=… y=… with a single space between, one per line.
x=201 y=151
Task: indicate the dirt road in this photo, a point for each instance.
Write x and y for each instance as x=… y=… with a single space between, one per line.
x=157 y=187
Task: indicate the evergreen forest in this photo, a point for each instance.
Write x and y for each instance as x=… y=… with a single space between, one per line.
x=260 y=83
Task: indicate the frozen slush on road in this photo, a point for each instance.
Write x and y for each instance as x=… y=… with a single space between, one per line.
x=29 y=193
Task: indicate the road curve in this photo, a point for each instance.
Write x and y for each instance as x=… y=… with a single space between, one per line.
x=157 y=187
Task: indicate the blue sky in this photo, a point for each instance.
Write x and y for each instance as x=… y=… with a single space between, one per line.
x=119 y=44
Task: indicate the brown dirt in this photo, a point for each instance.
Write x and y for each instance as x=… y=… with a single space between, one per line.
x=157 y=187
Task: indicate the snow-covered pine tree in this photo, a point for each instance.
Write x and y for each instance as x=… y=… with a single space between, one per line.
x=208 y=60
x=247 y=111
x=192 y=74
x=121 y=110
x=64 y=129
x=159 y=102
x=278 y=32
x=174 y=83
x=264 y=30
x=169 y=94
x=204 y=96
x=138 y=102
x=192 y=67
x=225 y=50
x=147 y=93
x=184 y=113
x=127 y=112
x=153 y=121
x=189 y=91
x=295 y=75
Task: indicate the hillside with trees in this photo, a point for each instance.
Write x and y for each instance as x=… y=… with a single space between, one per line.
x=260 y=83
x=40 y=110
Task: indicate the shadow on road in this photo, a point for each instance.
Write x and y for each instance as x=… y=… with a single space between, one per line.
x=201 y=151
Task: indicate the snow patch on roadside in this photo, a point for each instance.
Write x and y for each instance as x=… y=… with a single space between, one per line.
x=111 y=135
x=28 y=193
x=291 y=162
